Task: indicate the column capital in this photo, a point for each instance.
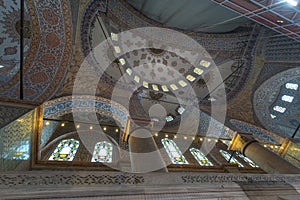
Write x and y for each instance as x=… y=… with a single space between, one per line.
x=240 y=141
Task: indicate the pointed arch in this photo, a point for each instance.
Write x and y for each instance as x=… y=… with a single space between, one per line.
x=173 y=151
x=200 y=157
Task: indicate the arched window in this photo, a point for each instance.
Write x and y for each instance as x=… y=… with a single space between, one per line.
x=227 y=156
x=65 y=150
x=200 y=157
x=247 y=160
x=279 y=109
x=102 y=152
x=291 y=86
x=173 y=152
x=287 y=98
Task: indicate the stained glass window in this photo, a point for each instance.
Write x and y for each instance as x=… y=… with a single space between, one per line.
x=247 y=160
x=200 y=157
x=180 y=110
x=173 y=152
x=291 y=86
x=279 y=109
x=65 y=150
x=227 y=156
x=102 y=152
x=190 y=78
x=169 y=118
x=22 y=152
x=287 y=98
x=273 y=116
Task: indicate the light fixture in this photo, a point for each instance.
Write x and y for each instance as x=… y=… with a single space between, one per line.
x=280 y=21
x=78 y=126
x=265 y=145
x=91 y=127
x=62 y=124
x=156 y=134
x=1 y=66
x=209 y=139
x=175 y=136
x=47 y=123
x=292 y=2
x=201 y=139
x=117 y=130
x=166 y=135
x=185 y=137
x=104 y=128
x=193 y=138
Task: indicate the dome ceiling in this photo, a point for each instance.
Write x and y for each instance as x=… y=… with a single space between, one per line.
x=190 y=15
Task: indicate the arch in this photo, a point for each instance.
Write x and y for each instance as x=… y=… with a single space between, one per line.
x=174 y=152
x=269 y=93
x=65 y=105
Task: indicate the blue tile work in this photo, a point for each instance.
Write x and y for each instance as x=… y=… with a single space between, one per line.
x=259 y=133
x=282 y=49
x=228 y=46
x=65 y=105
x=267 y=94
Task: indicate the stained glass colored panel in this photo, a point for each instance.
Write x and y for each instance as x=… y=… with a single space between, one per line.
x=102 y=152
x=247 y=160
x=200 y=157
x=173 y=152
x=227 y=156
x=65 y=151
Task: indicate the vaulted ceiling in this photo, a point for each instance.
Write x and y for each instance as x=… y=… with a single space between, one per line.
x=244 y=52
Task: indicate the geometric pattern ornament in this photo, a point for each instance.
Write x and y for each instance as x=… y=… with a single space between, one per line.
x=102 y=152
x=65 y=150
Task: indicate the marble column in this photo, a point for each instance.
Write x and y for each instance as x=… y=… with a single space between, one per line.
x=264 y=158
x=144 y=153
